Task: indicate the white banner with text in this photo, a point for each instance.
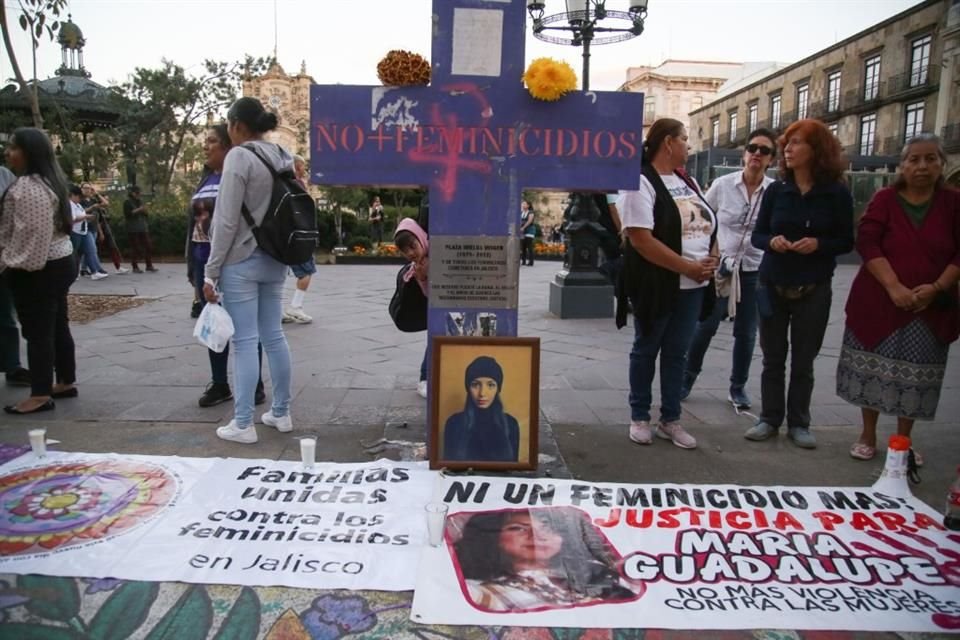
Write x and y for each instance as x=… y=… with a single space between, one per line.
x=562 y=553
x=214 y=520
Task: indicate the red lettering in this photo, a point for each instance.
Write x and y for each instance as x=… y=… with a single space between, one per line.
x=523 y=142
x=324 y=134
x=612 y=521
x=668 y=519
x=401 y=135
x=572 y=151
x=761 y=518
x=644 y=523
x=828 y=519
x=586 y=143
x=511 y=142
x=893 y=521
x=380 y=138
x=611 y=144
x=547 y=142
x=497 y=143
x=784 y=520
x=738 y=519
x=923 y=521
x=861 y=521
x=628 y=139
x=358 y=138
x=713 y=517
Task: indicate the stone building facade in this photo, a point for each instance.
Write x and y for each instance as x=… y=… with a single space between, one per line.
x=288 y=96
x=873 y=90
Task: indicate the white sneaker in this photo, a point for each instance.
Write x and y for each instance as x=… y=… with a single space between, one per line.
x=422 y=388
x=286 y=319
x=232 y=432
x=283 y=424
x=640 y=432
x=297 y=315
x=99 y=276
x=677 y=434
x=122 y=270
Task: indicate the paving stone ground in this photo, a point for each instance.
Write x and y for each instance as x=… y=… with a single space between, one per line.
x=354 y=374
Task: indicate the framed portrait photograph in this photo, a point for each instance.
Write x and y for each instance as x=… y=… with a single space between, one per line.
x=485 y=403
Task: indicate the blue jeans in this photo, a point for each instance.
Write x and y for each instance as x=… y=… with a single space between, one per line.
x=425 y=363
x=252 y=295
x=670 y=338
x=86 y=247
x=744 y=332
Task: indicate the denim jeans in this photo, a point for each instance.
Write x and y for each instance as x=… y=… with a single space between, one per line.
x=252 y=295
x=85 y=246
x=425 y=364
x=744 y=332
x=670 y=338
x=797 y=326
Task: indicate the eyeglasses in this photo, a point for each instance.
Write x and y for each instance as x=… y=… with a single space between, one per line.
x=762 y=148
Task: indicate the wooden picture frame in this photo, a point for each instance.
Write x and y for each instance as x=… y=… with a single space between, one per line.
x=512 y=366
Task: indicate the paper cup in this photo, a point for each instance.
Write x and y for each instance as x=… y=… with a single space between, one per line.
x=308 y=451
x=436 y=521
x=38 y=442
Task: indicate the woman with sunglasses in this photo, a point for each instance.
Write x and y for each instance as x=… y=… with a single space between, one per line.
x=736 y=199
x=805 y=222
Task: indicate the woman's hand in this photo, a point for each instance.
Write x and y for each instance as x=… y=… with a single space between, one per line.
x=421 y=268
x=924 y=295
x=210 y=293
x=779 y=244
x=699 y=271
x=805 y=245
x=902 y=297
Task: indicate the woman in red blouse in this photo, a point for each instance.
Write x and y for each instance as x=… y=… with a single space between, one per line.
x=902 y=313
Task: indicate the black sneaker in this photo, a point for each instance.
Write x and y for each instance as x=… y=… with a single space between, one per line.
x=215 y=394
x=259 y=396
x=196 y=309
x=18 y=378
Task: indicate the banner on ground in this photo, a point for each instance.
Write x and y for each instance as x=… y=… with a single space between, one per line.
x=211 y=520
x=565 y=553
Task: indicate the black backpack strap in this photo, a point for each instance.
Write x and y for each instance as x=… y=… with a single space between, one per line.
x=273 y=173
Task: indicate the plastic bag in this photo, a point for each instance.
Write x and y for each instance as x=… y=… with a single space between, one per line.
x=214 y=327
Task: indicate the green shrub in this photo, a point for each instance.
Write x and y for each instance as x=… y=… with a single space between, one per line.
x=166 y=220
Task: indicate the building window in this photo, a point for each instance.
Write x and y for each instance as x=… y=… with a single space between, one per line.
x=715 y=131
x=803 y=97
x=868 y=134
x=733 y=126
x=871 y=78
x=913 y=122
x=649 y=109
x=752 y=113
x=834 y=129
x=775 y=102
x=919 y=61
x=833 y=92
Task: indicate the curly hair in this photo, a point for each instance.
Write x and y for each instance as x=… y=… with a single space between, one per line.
x=829 y=162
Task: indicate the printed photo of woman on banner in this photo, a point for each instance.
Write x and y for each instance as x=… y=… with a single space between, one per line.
x=524 y=560
x=485 y=403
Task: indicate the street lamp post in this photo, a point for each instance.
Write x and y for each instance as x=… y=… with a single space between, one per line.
x=580 y=291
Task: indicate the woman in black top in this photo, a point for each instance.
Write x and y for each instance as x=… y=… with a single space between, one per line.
x=805 y=222
x=483 y=430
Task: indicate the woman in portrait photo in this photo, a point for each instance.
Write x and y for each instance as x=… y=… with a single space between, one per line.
x=535 y=559
x=483 y=430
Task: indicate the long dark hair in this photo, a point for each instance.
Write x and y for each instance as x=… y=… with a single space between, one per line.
x=585 y=558
x=41 y=161
x=250 y=112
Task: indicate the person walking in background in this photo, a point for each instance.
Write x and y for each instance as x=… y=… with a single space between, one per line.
x=95 y=203
x=376 y=221
x=902 y=312
x=15 y=374
x=251 y=280
x=736 y=199
x=135 y=212
x=805 y=222
x=82 y=238
x=202 y=204
x=36 y=251
x=302 y=272
x=528 y=233
x=668 y=263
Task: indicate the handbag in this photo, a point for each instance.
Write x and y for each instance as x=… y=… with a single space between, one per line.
x=408 y=306
x=214 y=327
x=728 y=284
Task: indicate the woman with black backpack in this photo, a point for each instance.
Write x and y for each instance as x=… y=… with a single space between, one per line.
x=250 y=280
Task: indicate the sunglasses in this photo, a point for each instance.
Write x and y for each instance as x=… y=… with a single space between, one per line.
x=762 y=148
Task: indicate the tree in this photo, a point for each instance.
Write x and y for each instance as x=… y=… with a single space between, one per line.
x=340 y=198
x=37 y=17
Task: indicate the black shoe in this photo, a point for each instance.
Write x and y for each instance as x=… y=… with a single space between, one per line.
x=137 y=270
x=19 y=377
x=152 y=269
x=71 y=392
x=215 y=394
x=687 y=385
x=49 y=405
x=739 y=398
x=196 y=309
x=259 y=396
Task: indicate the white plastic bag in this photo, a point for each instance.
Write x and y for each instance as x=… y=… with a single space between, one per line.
x=214 y=327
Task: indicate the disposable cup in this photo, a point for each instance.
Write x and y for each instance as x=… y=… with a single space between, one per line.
x=308 y=451
x=436 y=521
x=38 y=442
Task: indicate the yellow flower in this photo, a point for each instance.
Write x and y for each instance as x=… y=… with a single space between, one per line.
x=549 y=79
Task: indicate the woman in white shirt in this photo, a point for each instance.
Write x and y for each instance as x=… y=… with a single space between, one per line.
x=736 y=199
x=37 y=257
x=668 y=263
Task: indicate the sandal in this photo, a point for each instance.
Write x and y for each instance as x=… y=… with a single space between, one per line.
x=862 y=451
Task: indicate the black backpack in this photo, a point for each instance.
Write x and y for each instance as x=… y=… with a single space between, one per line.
x=288 y=232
